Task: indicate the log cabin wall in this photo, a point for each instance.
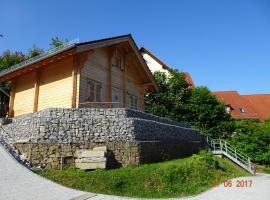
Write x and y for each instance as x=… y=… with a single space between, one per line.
x=118 y=83
x=50 y=86
x=66 y=83
x=94 y=69
x=56 y=85
x=24 y=94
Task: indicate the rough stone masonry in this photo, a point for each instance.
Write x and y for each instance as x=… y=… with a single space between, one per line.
x=113 y=127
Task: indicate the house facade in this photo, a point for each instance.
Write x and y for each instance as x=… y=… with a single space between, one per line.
x=102 y=73
x=157 y=65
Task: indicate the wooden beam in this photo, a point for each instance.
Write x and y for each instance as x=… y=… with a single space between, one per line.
x=108 y=86
x=11 y=99
x=76 y=62
x=36 y=90
x=123 y=86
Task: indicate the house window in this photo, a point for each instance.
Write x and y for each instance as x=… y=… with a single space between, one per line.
x=94 y=91
x=133 y=101
x=115 y=95
x=242 y=110
x=227 y=109
x=118 y=61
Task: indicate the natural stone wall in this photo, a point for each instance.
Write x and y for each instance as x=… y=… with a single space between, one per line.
x=24 y=127
x=49 y=138
x=95 y=125
x=57 y=156
x=119 y=154
x=142 y=115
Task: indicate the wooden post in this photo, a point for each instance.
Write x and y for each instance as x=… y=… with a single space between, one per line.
x=11 y=100
x=108 y=89
x=36 y=91
x=123 y=86
x=74 y=81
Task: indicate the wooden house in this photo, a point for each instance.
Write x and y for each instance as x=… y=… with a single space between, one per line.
x=103 y=73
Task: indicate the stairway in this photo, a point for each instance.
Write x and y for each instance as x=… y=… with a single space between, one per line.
x=221 y=147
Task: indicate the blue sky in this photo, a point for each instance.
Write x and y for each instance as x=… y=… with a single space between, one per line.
x=224 y=44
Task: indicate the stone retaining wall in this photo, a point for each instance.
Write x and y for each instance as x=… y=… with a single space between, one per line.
x=120 y=154
x=83 y=125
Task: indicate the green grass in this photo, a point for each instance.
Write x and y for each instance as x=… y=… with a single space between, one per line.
x=181 y=177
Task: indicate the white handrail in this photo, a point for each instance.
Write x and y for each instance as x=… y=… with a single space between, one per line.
x=218 y=146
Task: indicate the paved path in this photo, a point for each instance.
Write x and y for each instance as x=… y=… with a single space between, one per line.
x=19 y=183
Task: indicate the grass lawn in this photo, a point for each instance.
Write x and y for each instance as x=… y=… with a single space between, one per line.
x=180 y=177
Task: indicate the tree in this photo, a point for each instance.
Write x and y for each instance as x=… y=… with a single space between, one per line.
x=208 y=114
x=170 y=100
x=34 y=51
x=8 y=59
x=253 y=138
x=56 y=42
x=178 y=101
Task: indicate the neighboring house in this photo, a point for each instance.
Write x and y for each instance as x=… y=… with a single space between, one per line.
x=103 y=73
x=155 y=64
x=245 y=106
x=261 y=104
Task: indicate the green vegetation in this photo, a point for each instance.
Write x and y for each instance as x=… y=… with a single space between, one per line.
x=253 y=138
x=8 y=59
x=178 y=101
x=181 y=177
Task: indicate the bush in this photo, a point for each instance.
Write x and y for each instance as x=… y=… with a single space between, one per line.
x=253 y=139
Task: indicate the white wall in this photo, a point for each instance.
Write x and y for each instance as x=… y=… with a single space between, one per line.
x=153 y=64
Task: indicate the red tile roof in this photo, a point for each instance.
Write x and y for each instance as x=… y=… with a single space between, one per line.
x=261 y=103
x=189 y=79
x=237 y=102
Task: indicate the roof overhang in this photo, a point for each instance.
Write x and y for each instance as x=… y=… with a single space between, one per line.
x=61 y=53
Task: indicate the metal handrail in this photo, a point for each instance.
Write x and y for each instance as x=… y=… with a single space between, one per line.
x=40 y=56
x=228 y=144
x=219 y=145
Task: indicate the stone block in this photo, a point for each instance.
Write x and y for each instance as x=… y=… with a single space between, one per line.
x=91 y=160
x=85 y=166
x=102 y=148
x=89 y=153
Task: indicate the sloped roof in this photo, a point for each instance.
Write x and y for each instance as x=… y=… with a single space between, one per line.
x=236 y=102
x=165 y=66
x=261 y=103
x=189 y=79
x=81 y=47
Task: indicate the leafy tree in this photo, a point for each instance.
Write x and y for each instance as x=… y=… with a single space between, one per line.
x=208 y=114
x=56 y=42
x=253 y=139
x=170 y=100
x=178 y=101
x=8 y=59
x=34 y=51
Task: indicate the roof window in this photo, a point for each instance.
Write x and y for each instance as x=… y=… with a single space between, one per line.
x=242 y=110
